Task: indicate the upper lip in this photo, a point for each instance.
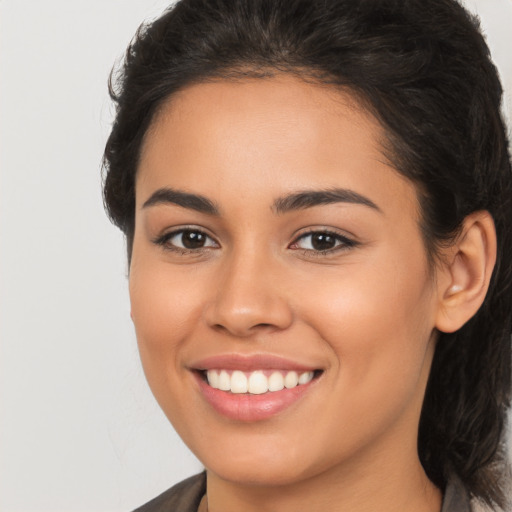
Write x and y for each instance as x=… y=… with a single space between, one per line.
x=250 y=363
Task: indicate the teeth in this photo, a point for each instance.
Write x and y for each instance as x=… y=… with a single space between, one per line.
x=213 y=378
x=291 y=380
x=276 y=382
x=305 y=377
x=238 y=382
x=256 y=383
x=224 y=381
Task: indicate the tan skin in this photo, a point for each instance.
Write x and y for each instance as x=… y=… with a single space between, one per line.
x=364 y=312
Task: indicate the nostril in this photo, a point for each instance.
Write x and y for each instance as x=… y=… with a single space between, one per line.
x=263 y=326
x=242 y=330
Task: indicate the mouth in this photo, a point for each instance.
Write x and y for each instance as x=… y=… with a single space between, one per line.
x=257 y=382
x=256 y=388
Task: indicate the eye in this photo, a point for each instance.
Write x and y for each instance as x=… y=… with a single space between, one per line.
x=322 y=242
x=186 y=240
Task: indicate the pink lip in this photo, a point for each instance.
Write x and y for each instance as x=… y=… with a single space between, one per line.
x=250 y=408
x=249 y=363
x=247 y=407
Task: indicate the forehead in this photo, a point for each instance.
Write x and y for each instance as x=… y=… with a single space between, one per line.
x=282 y=103
x=265 y=136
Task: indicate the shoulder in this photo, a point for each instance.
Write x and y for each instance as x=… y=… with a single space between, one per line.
x=456 y=497
x=183 y=497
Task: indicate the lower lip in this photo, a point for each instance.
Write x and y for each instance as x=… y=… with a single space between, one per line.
x=247 y=407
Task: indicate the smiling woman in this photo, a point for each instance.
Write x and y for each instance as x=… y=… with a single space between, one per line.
x=316 y=200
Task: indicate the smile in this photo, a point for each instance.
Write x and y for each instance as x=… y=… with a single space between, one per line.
x=249 y=388
x=256 y=382
x=253 y=388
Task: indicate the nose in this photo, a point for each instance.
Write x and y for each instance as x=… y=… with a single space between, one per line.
x=250 y=297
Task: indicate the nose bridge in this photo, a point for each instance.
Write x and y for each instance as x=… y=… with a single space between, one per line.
x=249 y=294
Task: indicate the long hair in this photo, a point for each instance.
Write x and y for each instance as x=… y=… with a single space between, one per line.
x=423 y=69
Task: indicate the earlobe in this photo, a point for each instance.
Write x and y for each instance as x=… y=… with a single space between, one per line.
x=467 y=272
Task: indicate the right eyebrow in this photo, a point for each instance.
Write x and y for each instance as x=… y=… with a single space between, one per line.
x=310 y=198
x=184 y=199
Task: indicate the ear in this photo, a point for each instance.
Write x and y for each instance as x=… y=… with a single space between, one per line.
x=463 y=280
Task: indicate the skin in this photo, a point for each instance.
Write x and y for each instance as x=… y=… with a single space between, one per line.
x=365 y=314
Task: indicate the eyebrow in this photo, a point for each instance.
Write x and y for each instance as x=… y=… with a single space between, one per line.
x=310 y=198
x=184 y=199
x=297 y=201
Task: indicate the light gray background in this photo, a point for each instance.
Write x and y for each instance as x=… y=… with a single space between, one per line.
x=79 y=429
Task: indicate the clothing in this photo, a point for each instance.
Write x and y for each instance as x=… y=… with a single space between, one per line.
x=186 y=496
x=183 y=497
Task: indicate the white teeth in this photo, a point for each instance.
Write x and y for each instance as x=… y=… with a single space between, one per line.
x=276 y=382
x=213 y=378
x=256 y=382
x=238 y=382
x=306 y=377
x=224 y=381
x=291 y=380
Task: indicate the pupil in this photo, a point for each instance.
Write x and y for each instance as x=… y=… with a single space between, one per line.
x=192 y=239
x=323 y=242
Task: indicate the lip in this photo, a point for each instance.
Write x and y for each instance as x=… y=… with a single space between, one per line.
x=247 y=407
x=249 y=363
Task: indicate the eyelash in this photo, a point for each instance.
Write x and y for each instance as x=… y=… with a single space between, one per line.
x=164 y=241
x=343 y=243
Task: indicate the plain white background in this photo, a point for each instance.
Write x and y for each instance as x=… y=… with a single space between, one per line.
x=79 y=429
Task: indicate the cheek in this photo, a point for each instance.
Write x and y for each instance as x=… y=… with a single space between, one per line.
x=378 y=323
x=378 y=332
x=164 y=306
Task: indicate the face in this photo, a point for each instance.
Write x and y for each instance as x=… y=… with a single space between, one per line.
x=275 y=243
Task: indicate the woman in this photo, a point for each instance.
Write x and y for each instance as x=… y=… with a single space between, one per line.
x=316 y=198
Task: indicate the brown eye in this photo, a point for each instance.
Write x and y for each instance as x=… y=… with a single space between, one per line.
x=186 y=240
x=322 y=241
x=193 y=239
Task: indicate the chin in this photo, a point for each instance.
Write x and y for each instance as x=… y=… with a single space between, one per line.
x=270 y=463
x=258 y=473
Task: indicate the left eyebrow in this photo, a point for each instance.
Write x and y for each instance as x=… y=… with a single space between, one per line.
x=184 y=199
x=310 y=198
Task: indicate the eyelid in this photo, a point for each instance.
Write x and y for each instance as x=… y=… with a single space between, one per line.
x=346 y=242
x=164 y=238
x=343 y=242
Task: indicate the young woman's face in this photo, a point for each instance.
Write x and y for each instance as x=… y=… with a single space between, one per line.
x=274 y=242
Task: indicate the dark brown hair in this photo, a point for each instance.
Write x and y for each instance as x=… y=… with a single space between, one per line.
x=422 y=68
